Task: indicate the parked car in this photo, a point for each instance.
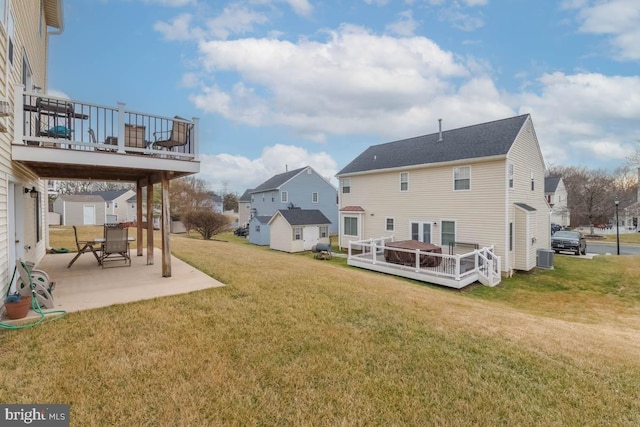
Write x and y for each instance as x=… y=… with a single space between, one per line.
x=571 y=241
x=555 y=227
x=241 y=231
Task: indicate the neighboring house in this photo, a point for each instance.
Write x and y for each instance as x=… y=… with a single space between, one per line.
x=297 y=230
x=45 y=137
x=302 y=188
x=95 y=207
x=481 y=185
x=244 y=208
x=80 y=209
x=218 y=204
x=116 y=201
x=556 y=195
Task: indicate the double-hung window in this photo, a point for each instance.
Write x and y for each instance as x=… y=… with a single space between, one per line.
x=462 y=178
x=389 y=224
x=297 y=233
x=404 y=181
x=314 y=197
x=284 y=197
x=346 y=185
x=350 y=226
x=510 y=174
x=448 y=234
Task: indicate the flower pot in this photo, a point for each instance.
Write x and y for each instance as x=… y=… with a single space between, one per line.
x=18 y=310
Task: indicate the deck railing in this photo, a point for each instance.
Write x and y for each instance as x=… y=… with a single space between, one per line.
x=457 y=267
x=50 y=121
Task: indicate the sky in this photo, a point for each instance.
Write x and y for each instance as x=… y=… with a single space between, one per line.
x=281 y=84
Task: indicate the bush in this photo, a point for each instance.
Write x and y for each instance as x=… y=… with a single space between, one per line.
x=205 y=222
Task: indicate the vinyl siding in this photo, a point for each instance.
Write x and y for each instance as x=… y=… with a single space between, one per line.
x=478 y=212
x=26 y=39
x=527 y=159
x=281 y=235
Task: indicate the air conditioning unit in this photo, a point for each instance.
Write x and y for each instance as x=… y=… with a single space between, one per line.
x=544 y=258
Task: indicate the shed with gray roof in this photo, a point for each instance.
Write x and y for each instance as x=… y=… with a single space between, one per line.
x=297 y=230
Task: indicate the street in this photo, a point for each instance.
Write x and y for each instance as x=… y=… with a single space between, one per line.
x=604 y=248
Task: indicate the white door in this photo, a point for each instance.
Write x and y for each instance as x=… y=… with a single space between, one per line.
x=421 y=231
x=89 y=215
x=310 y=237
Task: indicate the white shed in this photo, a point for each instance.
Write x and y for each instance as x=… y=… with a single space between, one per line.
x=297 y=230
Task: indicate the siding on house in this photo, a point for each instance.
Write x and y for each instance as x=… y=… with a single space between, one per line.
x=282 y=229
x=259 y=230
x=21 y=215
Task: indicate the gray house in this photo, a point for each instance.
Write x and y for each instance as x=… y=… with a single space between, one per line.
x=259 y=230
x=302 y=188
x=95 y=207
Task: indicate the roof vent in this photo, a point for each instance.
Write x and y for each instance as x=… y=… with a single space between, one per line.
x=440 y=130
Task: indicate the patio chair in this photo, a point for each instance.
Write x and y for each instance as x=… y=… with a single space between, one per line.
x=179 y=135
x=83 y=248
x=36 y=283
x=116 y=245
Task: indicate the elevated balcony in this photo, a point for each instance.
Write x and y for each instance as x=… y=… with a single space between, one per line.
x=69 y=139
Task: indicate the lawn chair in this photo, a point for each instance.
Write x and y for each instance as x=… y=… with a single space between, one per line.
x=83 y=248
x=179 y=135
x=33 y=282
x=116 y=245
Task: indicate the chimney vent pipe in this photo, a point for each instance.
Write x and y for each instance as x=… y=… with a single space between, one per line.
x=440 y=131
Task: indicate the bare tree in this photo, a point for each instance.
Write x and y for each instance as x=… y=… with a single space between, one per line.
x=190 y=193
x=205 y=222
x=591 y=194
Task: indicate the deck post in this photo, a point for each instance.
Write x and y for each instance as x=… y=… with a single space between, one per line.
x=417 y=260
x=139 y=217
x=149 y=223
x=458 y=267
x=166 y=222
x=121 y=135
x=373 y=251
x=196 y=137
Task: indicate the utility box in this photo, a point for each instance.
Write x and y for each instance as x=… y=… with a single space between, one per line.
x=544 y=258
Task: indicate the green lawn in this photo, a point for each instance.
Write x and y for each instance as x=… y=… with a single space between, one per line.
x=296 y=341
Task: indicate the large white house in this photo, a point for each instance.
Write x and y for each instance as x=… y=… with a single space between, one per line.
x=557 y=196
x=476 y=186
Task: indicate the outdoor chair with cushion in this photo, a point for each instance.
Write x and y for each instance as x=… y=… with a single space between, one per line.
x=116 y=245
x=178 y=135
x=83 y=248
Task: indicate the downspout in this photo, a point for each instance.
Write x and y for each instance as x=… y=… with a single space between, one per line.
x=507 y=242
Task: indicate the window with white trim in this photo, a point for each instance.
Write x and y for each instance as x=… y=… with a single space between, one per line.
x=350 y=226
x=314 y=197
x=324 y=230
x=462 y=178
x=284 y=197
x=389 y=224
x=346 y=185
x=404 y=181
x=510 y=174
x=297 y=233
x=533 y=182
x=448 y=233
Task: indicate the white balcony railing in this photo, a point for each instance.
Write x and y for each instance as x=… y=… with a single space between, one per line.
x=48 y=121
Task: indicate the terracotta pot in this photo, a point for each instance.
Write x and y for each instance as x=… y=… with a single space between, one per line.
x=18 y=310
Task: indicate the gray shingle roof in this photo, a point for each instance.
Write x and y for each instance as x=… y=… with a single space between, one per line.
x=108 y=196
x=526 y=207
x=276 y=181
x=481 y=140
x=82 y=198
x=262 y=219
x=304 y=216
x=246 y=196
x=551 y=183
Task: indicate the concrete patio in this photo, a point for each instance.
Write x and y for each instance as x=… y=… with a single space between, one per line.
x=86 y=285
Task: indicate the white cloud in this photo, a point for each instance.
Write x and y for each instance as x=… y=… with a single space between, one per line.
x=235 y=19
x=582 y=117
x=178 y=29
x=615 y=18
x=405 y=25
x=301 y=7
x=242 y=172
x=171 y=3
x=353 y=82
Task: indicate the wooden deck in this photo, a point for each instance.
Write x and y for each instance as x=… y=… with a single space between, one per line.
x=454 y=271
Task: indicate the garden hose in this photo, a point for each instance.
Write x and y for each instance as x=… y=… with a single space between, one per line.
x=35 y=306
